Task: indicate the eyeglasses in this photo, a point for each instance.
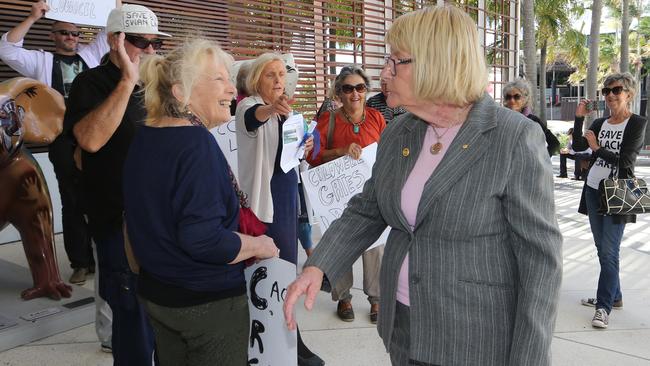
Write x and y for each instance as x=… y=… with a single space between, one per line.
x=66 y=33
x=142 y=43
x=512 y=96
x=392 y=63
x=616 y=90
x=360 y=88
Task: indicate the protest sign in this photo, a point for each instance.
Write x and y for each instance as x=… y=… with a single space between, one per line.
x=227 y=140
x=80 y=12
x=329 y=187
x=271 y=343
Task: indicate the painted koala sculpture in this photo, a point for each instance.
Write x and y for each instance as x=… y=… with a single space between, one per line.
x=30 y=111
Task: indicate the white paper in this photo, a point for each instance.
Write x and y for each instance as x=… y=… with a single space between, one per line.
x=227 y=140
x=271 y=343
x=330 y=186
x=293 y=130
x=81 y=12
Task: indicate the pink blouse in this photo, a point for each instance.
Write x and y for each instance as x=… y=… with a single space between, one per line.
x=412 y=192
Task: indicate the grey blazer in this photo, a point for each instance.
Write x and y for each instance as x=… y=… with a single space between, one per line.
x=485 y=259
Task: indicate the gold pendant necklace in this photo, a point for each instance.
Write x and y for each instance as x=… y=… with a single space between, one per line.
x=437 y=147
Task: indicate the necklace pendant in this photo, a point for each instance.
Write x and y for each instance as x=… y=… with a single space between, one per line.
x=435 y=148
x=355 y=129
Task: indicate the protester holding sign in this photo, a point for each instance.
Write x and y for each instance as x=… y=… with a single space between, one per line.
x=183 y=213
x=346 y=131
x=472 y=268
x=273 y=194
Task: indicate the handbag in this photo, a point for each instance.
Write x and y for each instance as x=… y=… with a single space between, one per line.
x=249 y=223
x=624 y=196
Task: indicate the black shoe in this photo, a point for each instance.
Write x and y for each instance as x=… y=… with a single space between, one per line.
x=314 y=360
x=326 y=286
x=344 y=311
x=562 y=176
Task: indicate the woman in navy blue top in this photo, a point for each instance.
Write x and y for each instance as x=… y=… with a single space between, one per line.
x=182 y=212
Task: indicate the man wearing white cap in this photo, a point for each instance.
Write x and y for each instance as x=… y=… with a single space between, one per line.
x=105 y=109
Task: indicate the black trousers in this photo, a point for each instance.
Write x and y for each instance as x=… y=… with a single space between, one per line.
x=76 y=235
x=578 y=158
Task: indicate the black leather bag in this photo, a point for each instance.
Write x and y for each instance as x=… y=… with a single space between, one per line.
x=624 y=196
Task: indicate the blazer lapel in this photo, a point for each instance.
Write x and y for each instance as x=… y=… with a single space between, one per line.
x=409 y=144
x=467 y=147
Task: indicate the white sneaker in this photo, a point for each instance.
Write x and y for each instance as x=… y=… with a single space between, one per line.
x=601 y=319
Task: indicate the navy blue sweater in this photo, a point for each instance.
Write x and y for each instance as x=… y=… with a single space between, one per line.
x=181 y=214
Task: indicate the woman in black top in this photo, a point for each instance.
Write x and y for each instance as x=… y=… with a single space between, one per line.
x=615 y=141
x=516 y=96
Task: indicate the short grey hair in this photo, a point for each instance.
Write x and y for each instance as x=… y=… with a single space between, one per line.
x=629 y=84
x=347 y=71
x=520 y=85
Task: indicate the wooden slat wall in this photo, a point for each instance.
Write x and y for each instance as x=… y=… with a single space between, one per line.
x=314 y=31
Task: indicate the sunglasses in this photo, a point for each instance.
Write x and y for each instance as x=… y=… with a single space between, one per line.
x=512 y=96
x=360 y=88
x=66 y=33
x=616 y=90
x=142 y=43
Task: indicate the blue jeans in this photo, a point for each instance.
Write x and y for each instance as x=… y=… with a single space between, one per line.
x=608 y=236
x=133 y=340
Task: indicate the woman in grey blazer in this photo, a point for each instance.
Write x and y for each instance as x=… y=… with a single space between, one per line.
x=472 y=265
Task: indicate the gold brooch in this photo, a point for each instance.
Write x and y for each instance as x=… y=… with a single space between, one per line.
x=406 y=152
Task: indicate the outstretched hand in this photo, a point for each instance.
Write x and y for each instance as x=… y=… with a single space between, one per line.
x=281 y=106
x=309 y=283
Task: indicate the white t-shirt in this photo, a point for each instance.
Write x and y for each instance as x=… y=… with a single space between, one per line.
x=610 y=138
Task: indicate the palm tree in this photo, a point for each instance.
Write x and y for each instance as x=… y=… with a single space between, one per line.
x=592 y=68
x=625 y=35
x=530 y=46
x=552 y=19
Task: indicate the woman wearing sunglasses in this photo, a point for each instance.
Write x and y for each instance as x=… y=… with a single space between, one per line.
x=346 y=131
x=615 y=142
x=516 y=96
x=472 y=265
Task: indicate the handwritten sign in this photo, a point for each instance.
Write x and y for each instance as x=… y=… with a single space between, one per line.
x=270 y=342
x=87 y=12
x=330 y=186
x=227 y=140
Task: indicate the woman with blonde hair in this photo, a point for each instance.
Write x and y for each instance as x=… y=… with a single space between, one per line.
x=472 y=266
x=273 y=193
x=182 y=211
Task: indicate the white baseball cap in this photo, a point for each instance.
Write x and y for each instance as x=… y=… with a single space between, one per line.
x=133 y=19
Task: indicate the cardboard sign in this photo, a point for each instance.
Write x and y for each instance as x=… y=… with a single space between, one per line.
x=81 y=12
x=270 y=343
x=330 y=186
x=227 y=140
